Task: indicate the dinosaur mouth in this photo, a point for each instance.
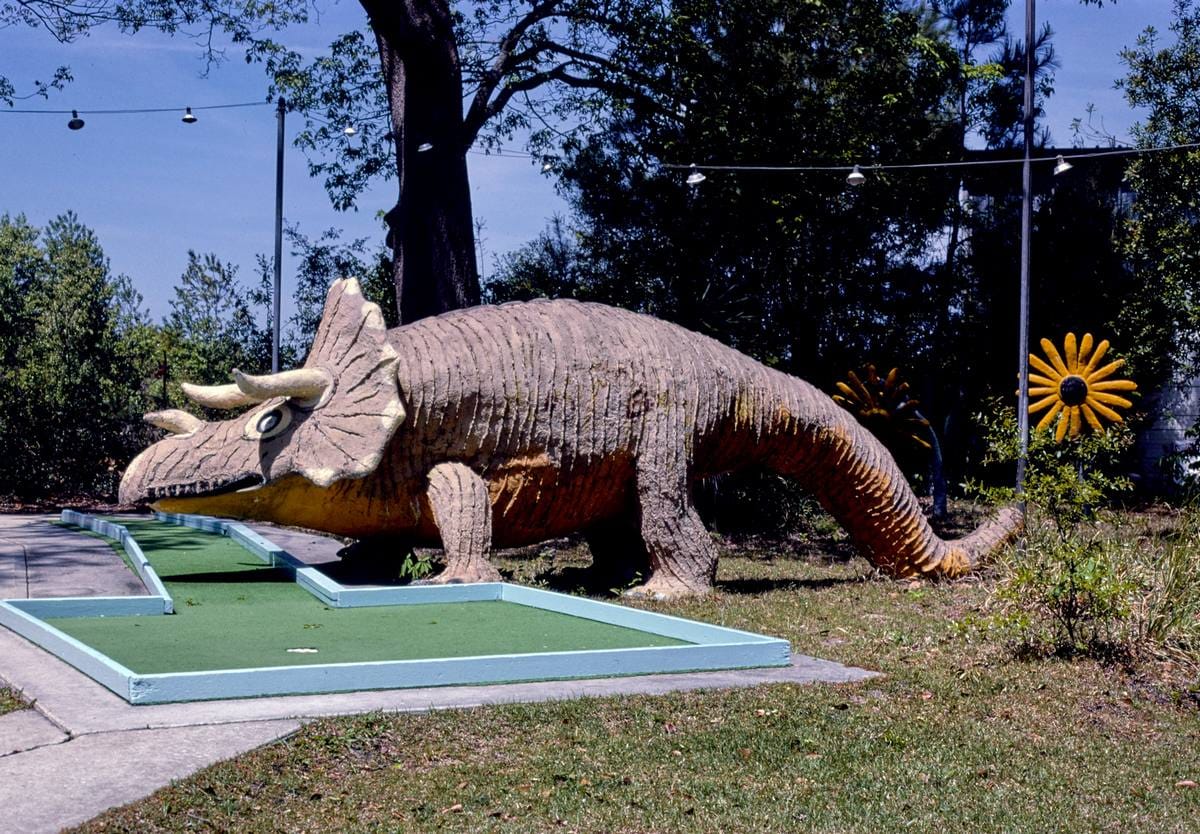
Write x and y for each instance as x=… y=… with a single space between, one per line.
x=197 y=489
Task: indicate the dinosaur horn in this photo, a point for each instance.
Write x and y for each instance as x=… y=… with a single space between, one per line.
x=174 y=421
x=218 y=396
x=306 y=385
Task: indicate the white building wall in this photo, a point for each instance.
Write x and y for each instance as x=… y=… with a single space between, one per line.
x=1160 y=446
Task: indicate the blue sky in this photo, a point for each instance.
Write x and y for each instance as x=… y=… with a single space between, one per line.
x=153 y=187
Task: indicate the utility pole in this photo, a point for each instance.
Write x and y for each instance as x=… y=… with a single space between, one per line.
x=280 y=111
x=1026 y=234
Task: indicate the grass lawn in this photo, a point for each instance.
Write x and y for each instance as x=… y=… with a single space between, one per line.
x=958 y=737
x=11 y=700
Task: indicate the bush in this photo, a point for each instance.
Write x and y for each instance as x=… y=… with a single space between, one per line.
x=1089 y=581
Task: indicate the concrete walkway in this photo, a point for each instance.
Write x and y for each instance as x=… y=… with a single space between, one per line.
x=82 y=750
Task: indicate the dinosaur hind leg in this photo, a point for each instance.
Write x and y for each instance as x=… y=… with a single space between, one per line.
x=682 y=556
x=463 y=512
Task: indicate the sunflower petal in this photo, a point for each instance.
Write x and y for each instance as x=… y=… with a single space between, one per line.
x=1047 y=389
x=1043 y=380
x=1061 y=431
x=1049 y=416
x=1109 y=399
x=1072 y=350
x=1076 y=423
x=864 y=395
x=1106 y=412
x=1085 y=347
x=1053 y=355
x=845 y=389
x=1114 y=385
x=1044 y=402
x=1101 y=349
x=1101 y=373
x=1091 y=417
x=1039 y=363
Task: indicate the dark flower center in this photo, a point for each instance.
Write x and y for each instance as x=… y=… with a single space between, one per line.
x=1073 y=390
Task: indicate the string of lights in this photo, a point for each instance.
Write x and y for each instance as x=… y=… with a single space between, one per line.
x=126 y=111
x=857 y=177
x=855 y=174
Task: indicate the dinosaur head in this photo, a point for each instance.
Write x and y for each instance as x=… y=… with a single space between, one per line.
x=326 y=422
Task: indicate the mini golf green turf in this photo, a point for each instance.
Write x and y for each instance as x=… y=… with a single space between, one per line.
x=235 y=612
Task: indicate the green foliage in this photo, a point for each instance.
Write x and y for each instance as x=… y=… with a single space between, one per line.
x=242 y=21
x=1161 y=237
x=1064 y=594
x=1065 y=483
x=212 y=327
x=73 y=349
x=323 y=260
x=414 y=567
x=1084 y=582
x=790 y=268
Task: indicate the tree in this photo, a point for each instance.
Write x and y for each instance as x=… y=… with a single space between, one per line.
x=323 y=260
x=786 y=266
x=494 y=53
x=1161 y=237
x=243 y=21
x=211 y=328
x=73 y=398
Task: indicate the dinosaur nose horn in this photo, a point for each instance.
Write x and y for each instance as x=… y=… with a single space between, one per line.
x=304 y=385
x=174 y=421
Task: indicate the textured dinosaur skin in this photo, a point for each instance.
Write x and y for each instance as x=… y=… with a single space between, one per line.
x=512 y=424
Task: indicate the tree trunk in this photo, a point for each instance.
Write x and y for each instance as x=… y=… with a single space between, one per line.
x=430 y=231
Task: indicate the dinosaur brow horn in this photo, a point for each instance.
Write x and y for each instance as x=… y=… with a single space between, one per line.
x=218 y=396
x=174 y=421
x=305 y=385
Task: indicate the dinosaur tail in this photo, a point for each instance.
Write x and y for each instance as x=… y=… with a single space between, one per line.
x=857 y=481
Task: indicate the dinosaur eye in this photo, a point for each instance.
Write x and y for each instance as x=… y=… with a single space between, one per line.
x=269 y=421
x=268 y=424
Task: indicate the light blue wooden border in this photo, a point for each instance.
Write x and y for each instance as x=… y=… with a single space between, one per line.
x=99 y=667
x=711 y=647
x=141 y=564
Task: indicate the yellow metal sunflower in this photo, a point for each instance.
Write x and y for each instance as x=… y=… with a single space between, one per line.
x=1075 y=387
x=884 y=406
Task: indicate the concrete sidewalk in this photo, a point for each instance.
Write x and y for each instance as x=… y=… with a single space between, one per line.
x=82 y=750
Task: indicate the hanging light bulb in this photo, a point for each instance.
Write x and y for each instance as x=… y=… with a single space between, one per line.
x=856 y=177
x=424 y=146
x=189 y=118
x=76 y=123
x=349 y=130
x=695 y=177
x=1061 y=166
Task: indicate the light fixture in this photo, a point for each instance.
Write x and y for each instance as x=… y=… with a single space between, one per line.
x=695 y=177
x=1061 y=166
x=856 y=177
x=76 y=123
x=547 y=167
x=349 y=130
x=424 y=146
x=189 y=118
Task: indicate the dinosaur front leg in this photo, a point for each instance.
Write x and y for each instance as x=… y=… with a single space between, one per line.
x=683 y=558
x=462 y=511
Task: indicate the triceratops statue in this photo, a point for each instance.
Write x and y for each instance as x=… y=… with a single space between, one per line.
x=508 y=425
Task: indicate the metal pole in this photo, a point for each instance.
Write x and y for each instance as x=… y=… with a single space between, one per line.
x=1026 y=234
x=280 y=110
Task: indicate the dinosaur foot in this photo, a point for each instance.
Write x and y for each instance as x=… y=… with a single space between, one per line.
x=660 y=589
x=473 y=573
